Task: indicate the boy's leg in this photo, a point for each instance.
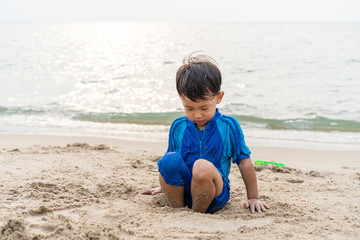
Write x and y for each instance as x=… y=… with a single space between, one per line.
x=206 y=183
x=174 y=194
x=174 y=177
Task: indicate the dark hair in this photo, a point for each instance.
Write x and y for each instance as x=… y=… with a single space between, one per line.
x=198 y=78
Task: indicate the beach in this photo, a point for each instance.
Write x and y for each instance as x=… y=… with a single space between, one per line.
x=84 y=187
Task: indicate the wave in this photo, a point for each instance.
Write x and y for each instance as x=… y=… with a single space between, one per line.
x=310 y=124
x=318 y=123
x=20 y=110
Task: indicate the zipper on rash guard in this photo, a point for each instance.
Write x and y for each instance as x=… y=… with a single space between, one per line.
x=201 y=141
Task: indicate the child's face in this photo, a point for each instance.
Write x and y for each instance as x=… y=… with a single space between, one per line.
x=202 y=111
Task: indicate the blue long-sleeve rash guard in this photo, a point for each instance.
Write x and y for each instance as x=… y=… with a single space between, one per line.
x=221 y=142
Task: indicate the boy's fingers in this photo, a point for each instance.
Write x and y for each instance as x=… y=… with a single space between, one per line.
x=246 y=204
x=252 y=208
x=146 y=191
x=258 y=208
x=263 y=208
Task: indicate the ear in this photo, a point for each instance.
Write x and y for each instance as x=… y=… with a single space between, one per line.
x=220 y=97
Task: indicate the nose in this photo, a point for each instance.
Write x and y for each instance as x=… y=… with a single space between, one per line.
x=197 y=115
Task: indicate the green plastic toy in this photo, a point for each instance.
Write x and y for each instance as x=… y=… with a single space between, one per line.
x=260 y=162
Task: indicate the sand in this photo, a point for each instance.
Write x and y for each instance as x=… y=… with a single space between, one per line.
x=73 y=187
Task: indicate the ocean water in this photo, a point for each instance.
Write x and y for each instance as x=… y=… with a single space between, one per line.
x=291 y=81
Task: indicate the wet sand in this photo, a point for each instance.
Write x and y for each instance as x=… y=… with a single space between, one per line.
x=73 y=187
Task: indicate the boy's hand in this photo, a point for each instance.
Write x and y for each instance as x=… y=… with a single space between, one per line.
x=257 y=205
x=152 y=191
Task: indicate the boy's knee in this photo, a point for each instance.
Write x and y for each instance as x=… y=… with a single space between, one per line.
x=202 y=170
x=173 y=169
x=170 y=162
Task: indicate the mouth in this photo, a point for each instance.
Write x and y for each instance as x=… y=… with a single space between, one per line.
x=199 y=122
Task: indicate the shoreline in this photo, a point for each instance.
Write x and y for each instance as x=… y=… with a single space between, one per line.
x=28 y=139
x=31 y=138
x=327 y=157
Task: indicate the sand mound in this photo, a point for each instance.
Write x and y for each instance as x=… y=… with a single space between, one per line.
x=14 y=229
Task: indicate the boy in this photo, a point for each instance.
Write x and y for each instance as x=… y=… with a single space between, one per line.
x=194 y=171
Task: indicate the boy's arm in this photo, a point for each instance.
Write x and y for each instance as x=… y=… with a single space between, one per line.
x=248 y=174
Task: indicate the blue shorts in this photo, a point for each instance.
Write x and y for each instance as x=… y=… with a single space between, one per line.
x=174 y=171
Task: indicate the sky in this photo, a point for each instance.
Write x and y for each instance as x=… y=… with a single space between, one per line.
x=14 y=11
